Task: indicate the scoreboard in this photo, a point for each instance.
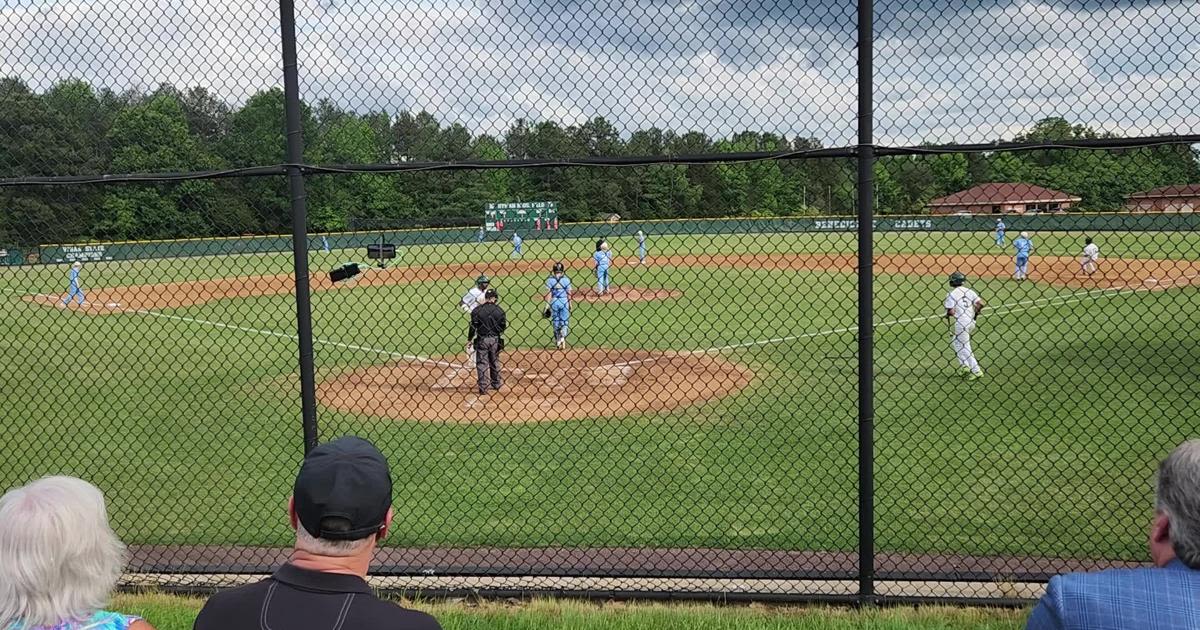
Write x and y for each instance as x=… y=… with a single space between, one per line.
x=525 y=216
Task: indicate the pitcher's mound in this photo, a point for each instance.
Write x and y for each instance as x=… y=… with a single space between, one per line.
x=538 y=386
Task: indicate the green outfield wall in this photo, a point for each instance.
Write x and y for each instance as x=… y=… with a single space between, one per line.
x=134 y=250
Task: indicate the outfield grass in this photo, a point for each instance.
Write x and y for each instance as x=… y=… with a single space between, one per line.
x=193 y=429
x=168 y=612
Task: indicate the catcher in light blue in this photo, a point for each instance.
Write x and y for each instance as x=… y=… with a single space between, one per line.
x=558 y=304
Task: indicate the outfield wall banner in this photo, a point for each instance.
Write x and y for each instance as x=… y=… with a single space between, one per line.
x=1083 y=223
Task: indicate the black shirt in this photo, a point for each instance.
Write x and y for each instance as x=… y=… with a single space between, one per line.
x=487 y=320
x=300 y=599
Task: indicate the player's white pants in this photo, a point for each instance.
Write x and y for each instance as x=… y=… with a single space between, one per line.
x=961 y=341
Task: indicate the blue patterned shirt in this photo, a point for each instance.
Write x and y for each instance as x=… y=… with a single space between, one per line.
x=1152 y=598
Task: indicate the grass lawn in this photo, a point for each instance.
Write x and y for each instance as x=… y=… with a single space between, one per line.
x=167 y=612
x=191 y=426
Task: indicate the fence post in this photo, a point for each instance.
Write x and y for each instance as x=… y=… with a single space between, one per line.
x=866 y=322
x=295 y=157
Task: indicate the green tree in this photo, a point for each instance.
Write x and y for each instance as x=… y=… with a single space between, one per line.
x=153 y=137
x=256 y=138
x=37 y=139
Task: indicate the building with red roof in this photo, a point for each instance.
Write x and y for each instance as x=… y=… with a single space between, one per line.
x=1003 y=198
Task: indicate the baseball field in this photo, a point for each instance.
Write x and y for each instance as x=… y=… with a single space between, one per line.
x=710 y=402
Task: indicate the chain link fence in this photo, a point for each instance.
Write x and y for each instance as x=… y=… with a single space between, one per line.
x=739 y=408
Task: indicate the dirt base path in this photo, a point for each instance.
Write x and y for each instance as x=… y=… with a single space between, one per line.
x=1058 y=271
x=539 y=386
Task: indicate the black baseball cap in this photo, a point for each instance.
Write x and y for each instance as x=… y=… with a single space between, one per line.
x=490 y=293
x=346 y=478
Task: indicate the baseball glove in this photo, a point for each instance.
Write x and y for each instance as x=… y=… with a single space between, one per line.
x=546 y=313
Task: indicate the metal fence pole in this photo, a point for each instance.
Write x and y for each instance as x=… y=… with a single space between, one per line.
x=295 y=157
x=866 y=323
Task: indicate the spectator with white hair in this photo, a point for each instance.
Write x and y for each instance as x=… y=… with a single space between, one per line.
x=1163 y=597
x=341 y=508
x=59 y=559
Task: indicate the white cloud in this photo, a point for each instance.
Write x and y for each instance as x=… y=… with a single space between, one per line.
x=943 y=73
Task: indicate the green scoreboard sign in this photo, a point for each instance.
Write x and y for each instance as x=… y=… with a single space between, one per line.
x=521 y=215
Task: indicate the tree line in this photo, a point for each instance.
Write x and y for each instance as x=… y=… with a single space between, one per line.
x=73 y=128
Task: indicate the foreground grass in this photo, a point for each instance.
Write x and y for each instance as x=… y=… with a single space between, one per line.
x=168 y=612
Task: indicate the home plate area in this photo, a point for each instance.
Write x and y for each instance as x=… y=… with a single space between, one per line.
x=538 y=386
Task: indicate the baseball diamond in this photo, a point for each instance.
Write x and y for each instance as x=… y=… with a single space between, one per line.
x=724 y=355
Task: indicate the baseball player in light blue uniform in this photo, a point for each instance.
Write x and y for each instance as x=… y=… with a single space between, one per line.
x=1000 y=232
x=558 y=298
x=641 y=240
x=1024 y=248
x=479 y=236
x=517 y=242
x=73 y=289
x=603 y=259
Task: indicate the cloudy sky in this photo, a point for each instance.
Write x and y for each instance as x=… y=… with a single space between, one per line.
x=946 y=71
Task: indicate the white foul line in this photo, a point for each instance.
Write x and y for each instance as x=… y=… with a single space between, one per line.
x=268 y=333
x=272 y=333
x=1015 y=307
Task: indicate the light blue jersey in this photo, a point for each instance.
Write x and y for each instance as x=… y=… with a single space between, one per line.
x=517 y=242
x=1000 y=232
x=74 y=292
x=560 y=307
x=1023 y=246
x=559 y=288
x=603 y=261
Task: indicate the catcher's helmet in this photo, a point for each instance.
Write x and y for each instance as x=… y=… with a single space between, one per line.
x=957 y=279
x=482 y=280
x=558 y=268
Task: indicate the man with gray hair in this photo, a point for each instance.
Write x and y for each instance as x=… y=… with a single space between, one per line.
x=1163 y=597
x=340 y=509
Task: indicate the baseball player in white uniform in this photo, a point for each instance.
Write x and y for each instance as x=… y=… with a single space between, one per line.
x=1091 y=256
x=962 y=307
x=470 y=301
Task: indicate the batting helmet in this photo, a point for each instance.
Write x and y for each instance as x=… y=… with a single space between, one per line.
x=482 y=280
x=558 y=268
x=957 y=279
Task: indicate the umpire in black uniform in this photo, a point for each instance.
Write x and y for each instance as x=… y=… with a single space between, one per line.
x=487 y=327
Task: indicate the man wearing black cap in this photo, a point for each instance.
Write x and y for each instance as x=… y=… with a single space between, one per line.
x=488 y=323
x=340 y=509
